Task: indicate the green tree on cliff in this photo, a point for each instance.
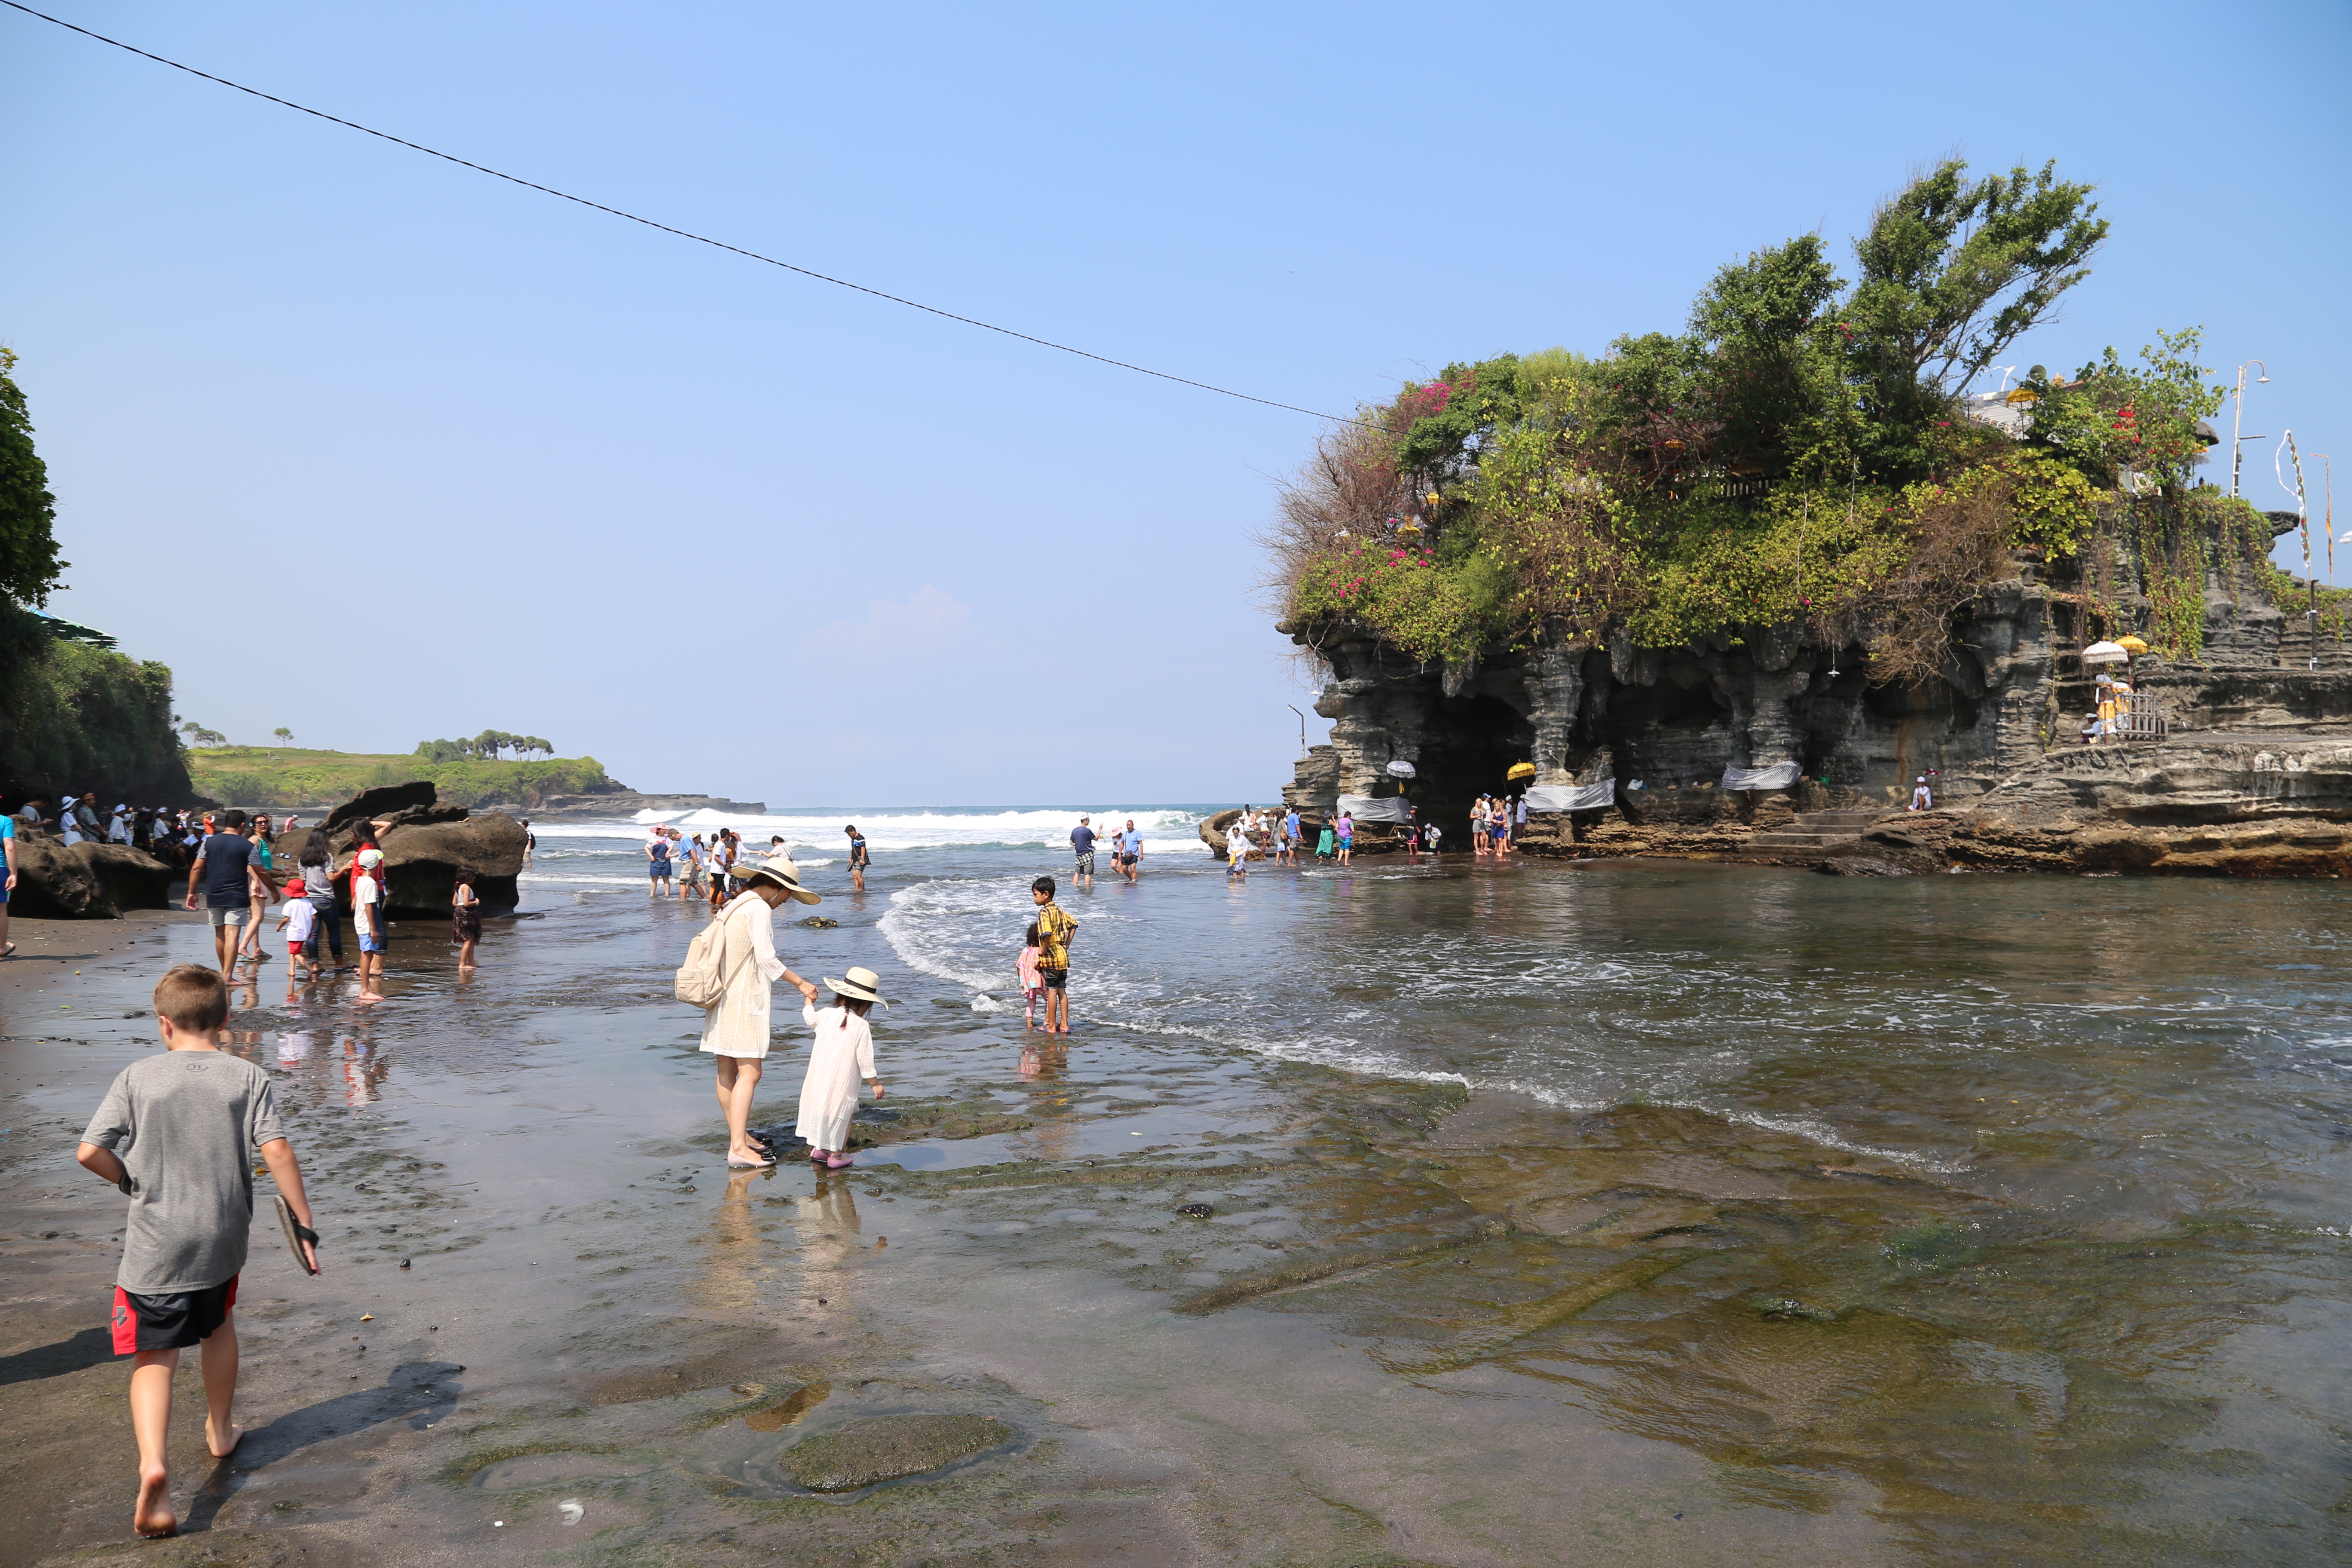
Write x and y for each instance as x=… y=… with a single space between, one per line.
x=29 y=567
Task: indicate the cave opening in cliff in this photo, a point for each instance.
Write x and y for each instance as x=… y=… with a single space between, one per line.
x=1467 y=747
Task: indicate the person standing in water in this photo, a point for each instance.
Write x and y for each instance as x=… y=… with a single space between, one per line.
x=465 y=920
x=1082 y=844
x=657 y=861
x=221 y=864
x=1131 y=853
x=735 y=1028
x=1055 y=930
x=858 y=858
x=840 y=1056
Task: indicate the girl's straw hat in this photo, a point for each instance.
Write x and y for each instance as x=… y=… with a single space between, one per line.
x=779 y=871
x=858 y=985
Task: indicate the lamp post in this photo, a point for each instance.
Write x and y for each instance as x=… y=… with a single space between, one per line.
x=2238 y=417
x=1302 y=729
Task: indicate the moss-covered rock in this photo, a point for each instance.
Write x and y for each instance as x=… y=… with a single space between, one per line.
x=884 y=1448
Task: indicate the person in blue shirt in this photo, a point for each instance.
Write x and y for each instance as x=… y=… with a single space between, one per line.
x=8 y=844
x=1131 y=853
x=1082 y=842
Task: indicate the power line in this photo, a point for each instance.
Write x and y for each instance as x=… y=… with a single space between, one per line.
x=665 y=229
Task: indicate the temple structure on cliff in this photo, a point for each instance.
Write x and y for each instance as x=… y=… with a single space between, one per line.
x=2254 y=774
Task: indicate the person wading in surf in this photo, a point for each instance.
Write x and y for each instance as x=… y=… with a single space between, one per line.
x=735 y=1028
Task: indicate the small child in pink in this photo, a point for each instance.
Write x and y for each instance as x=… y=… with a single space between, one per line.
x=1032 y=984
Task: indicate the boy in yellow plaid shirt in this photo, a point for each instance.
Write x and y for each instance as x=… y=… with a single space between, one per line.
x=1055 y=930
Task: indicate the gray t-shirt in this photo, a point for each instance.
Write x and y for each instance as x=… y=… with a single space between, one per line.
x=186 y=1125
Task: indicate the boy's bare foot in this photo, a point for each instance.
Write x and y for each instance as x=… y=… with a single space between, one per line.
x=153 y=1516
x=222 y=1450
x=368 y=998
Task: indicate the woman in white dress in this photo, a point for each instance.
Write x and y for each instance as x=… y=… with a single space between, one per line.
x=735 y=1029
x=842 y=1054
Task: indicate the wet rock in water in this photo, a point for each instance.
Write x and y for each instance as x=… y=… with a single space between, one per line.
x=775 y=1418
x=819 y=923
x=884 y=1448
x=1771 y=1305
x=1868 y=865
x=1197 y=1211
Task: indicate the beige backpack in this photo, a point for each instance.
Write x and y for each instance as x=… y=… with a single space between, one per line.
x=700 y=982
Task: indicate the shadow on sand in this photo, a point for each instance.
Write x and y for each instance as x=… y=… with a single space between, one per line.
x=420 y=1393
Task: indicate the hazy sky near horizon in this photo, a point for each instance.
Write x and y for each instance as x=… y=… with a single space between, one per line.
x=380 y=449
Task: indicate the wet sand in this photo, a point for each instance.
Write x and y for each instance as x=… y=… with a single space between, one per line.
x=1409 y=1329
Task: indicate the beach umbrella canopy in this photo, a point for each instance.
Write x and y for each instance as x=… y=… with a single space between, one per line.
x=1401 y=768
x=1521 y=770
x=2106 y=653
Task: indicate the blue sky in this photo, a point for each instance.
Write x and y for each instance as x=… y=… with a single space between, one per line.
x=380 y=449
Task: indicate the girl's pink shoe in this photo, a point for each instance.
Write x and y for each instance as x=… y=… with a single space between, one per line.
x=818 y=1155
x=836 y=1162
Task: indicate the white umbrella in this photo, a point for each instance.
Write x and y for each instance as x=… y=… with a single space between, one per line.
x=1401 y=768
x=2107 y=652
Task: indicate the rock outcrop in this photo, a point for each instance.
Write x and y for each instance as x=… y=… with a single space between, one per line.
x=628 y=803
x=130 y=878
x=425 y=843
x=84 y=881
x=2253 y=775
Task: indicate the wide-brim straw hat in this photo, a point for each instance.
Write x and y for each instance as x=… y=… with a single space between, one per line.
x=858 y=985
x=779 y=871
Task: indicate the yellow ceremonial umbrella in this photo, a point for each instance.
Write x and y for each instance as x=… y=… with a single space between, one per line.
x=1521 y=770
x=2132 y=646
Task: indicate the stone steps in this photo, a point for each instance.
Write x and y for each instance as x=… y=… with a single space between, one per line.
x=1817 y=835
x=1788 y=840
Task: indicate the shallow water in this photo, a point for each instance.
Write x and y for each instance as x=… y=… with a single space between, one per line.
x=2084 y=1267
x=1961 y=1219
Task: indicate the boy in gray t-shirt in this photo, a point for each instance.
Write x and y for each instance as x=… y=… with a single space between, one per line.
x=178 y=1133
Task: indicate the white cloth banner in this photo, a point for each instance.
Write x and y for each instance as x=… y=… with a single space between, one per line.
x=1364 y=809
x=1780 y=775
x=1572 y=797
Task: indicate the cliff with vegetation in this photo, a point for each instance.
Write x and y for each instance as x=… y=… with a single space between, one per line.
x=282 y=776
x=74 y=714
x=1788 y=542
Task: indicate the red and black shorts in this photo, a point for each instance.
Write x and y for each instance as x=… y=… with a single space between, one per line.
x=172 y=1321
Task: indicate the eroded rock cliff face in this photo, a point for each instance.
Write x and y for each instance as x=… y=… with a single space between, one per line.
x=2255 y=775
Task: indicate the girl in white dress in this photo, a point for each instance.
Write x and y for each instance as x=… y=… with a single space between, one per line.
x=843 y=1054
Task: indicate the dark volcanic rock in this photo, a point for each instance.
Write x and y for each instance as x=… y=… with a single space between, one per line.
x=1867 y=866
x=371 y=803
x=421 y=861
x=130 y=878
x=54 y=882
x=884 y=1448
x=425 y=843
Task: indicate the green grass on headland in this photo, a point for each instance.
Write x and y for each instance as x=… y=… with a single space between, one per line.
x=288 y=776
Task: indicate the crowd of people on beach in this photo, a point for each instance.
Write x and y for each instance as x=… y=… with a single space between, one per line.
x=1497 y=825
x=172 y=836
